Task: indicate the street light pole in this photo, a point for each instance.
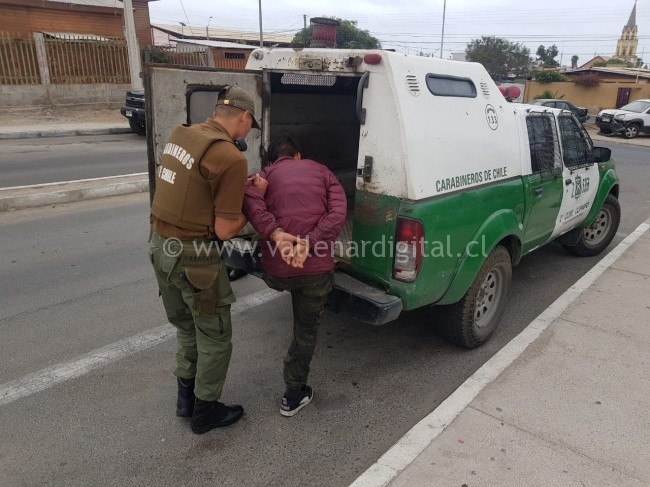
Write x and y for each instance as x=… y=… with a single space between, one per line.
x=442 y=37
x=207 y=28
x=132 y=45
x=261 y=36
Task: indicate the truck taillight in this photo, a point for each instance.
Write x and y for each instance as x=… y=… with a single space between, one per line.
x=372 y=58
x=409 y=244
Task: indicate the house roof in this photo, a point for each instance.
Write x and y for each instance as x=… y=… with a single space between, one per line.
x=230 y=45
x=199 y=32
x=640 y=72
x=91 y=3
x=75 y=37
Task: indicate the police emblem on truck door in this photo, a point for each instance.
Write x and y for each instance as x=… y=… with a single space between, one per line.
x=580 y=175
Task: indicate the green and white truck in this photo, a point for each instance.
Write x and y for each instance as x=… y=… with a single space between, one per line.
x=448 y=184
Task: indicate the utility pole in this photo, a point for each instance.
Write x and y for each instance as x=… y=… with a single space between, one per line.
x=261 y=36
x=442 y=38
x=304 y=20
x=207 y=28
x=132 y=45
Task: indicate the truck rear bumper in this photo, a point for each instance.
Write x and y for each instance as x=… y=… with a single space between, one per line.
x=349 y=295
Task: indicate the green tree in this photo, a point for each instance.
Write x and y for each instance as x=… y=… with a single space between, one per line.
x=348 y=36
x=547 y=56
x=499 y=56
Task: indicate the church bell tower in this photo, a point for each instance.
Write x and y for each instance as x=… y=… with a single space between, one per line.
x=627 y=44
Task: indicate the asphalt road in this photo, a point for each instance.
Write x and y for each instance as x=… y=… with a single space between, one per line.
x=76 y=278
x=52 y=159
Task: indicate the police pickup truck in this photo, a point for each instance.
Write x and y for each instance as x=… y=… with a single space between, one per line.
x=448 y=184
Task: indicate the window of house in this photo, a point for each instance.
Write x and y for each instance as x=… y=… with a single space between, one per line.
x=451 y=86
x=235 y=55
x=544 y=147
x=576 y=145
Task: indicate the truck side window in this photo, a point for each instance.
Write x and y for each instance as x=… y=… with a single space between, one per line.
x=575 y=145
x=544 y=150
x=451 y=86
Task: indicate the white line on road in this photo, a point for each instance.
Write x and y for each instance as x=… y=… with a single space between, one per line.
x=407 y=449
x=74 y=181
x=50 y=376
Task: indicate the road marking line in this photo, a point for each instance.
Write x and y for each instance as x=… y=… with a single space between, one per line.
x=60 y=183
x=50 y=376
x=409 y=446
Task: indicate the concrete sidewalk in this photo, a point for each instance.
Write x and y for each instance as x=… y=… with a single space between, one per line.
x=564 y=404
x=63 y=129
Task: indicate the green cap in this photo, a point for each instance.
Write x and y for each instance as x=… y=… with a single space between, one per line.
x=238 y=98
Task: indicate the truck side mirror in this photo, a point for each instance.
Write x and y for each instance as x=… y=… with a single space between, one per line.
x=602 y=154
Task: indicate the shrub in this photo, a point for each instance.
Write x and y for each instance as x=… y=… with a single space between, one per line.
x=587 y=80
x=545 y=77
x=548 y=94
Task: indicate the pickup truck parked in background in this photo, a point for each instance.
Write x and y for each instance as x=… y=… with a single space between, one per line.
x=134 y=111
x=629 y=121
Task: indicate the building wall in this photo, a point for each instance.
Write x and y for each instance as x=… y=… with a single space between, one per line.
x=594 y=99
x=47 y=95
x=230 y=58
x=142 y=22
x=25 y=20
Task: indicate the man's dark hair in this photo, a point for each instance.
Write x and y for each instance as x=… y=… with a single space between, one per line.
x=283 y=146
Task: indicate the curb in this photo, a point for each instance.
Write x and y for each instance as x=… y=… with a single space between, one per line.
x=17 y=198
x=33 y=134
x=399 y=456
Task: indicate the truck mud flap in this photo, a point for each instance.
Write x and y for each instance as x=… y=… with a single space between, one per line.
x=362 y=302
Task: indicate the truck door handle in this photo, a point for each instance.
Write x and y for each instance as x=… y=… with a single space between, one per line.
x=363 y=83
x=568 y=181
x=539 y=192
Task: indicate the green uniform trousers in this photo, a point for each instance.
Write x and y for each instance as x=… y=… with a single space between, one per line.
x=197 y=295
x=308 y=298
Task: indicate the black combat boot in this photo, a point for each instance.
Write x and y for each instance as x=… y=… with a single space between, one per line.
x=213 y=414
x=185 y=401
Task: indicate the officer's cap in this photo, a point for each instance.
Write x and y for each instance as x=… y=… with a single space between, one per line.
x=236 y=97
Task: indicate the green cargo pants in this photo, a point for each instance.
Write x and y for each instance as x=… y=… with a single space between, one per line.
x=308 y=297
x=197 y=295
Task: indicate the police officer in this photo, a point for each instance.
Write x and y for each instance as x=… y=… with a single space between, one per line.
x=198 y=203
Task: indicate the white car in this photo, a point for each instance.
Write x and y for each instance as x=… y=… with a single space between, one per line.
x=630 y=120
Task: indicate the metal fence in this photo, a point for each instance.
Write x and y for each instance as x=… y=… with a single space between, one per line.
x=18 y=60
x=87 y=60
x=68 y=58
x=176 y=55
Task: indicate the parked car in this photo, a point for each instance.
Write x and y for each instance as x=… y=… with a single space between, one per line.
x=134 y=111
x=628 y=121
x=580 y=113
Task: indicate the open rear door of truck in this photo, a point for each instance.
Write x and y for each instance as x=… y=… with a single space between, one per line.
x=180 y=95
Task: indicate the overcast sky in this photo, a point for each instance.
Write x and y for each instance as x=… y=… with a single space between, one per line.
x=580 y=27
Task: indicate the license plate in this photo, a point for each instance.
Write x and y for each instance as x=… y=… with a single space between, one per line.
x=128 y=113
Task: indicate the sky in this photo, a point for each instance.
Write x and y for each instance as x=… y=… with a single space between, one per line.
x=577 y=27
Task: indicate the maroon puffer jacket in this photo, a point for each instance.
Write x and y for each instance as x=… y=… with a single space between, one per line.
x=305 y=199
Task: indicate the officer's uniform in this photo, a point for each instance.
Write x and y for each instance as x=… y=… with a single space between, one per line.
x=201 y=174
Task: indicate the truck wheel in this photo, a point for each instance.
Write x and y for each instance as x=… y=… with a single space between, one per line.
x=137 y=127
x=631 y=131
x=601 y=232
x=473 y=319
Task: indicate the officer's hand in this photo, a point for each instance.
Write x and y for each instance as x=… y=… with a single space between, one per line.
x=259 y=182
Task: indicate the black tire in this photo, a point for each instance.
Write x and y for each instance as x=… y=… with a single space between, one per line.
x=137 y=127
x=601 y=232
x=631 y=131
x=471 y=321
